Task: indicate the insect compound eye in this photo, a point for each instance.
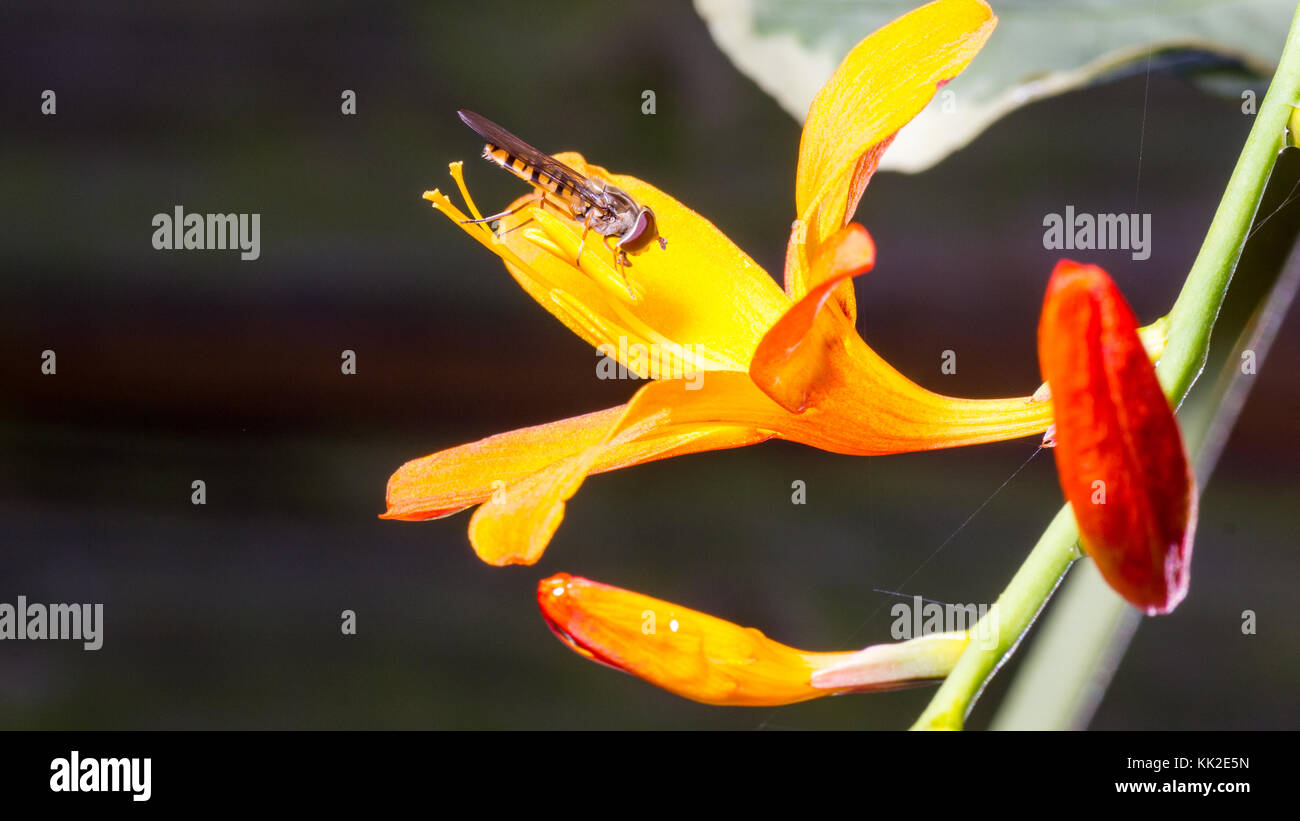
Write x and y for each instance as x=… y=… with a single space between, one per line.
x=642 y=231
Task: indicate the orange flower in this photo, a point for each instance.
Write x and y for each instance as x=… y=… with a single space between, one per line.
x=749 y=362
x=704 y=658
x=1119 y=454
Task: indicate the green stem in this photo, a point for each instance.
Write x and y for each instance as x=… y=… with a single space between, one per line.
x=1193 y=315
x=1077 y=650
x=1190 y=324
x=1016 y=609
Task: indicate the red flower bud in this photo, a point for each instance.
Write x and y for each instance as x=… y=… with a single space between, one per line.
x=1119 y=453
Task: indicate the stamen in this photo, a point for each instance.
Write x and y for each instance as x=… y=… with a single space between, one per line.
x=591 y=261
x=478 y=231
x=457 y=173
x=539 y=238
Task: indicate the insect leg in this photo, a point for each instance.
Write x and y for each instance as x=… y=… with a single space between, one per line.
x=539 y=200
x=586 y=226
x=620 y=262
x=516 y=228
x=590 y=216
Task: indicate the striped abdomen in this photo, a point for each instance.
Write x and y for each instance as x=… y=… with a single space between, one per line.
x=525 y=171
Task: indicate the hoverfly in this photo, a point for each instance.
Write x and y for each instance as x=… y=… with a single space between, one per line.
x=606 y=209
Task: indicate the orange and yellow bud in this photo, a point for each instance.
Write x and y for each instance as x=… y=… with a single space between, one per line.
x=707 y=659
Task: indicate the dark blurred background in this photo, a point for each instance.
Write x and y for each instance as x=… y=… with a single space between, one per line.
x=176 y=366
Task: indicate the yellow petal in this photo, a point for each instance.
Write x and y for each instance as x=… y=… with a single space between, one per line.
x=699 y=304
x=883 y=83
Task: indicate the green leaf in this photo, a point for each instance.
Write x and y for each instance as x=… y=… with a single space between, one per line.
x=1040 y=48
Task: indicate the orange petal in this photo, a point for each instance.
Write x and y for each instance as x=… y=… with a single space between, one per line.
x=517 y=476
x=1119 y=453
x=883 y=83
x=454 y=479
x=516 y=526
x=707 y=659
x=867 y=409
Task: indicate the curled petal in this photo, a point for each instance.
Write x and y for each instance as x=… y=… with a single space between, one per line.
x=707 y=659
x=1119 y=453
x=792 y=356
x=883 y=83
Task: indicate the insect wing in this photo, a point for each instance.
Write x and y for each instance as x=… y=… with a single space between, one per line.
x=535 y=157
